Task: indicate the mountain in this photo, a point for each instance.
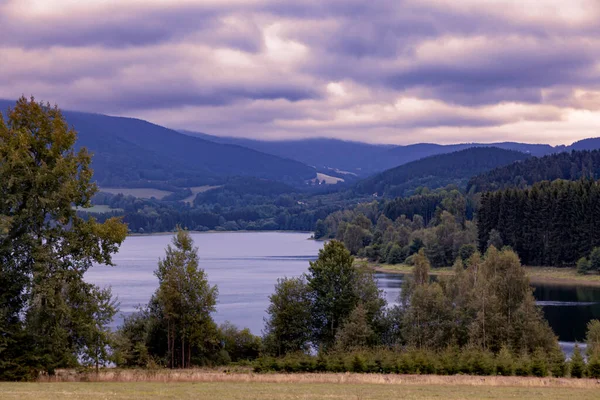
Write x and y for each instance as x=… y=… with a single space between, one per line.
x=438 y=171
x=363 y=159
x=327 y=155
x=133 y=152
x=567 y=165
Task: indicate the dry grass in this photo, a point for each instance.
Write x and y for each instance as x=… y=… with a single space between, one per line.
x=547 y=275
x=246 y=376
x=202 y=384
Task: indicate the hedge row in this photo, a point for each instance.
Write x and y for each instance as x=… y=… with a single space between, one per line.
x=449 y=362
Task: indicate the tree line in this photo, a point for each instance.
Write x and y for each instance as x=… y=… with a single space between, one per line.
x=551 y=223
x=394 y=231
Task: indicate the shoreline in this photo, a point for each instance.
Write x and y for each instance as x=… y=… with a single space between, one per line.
x=135 y=234
x=537 y=275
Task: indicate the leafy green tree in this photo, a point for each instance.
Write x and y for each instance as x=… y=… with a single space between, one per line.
x=356 y=331
x=336 y=287
x=593 y=337
x=583 y=266
x=240 y=344
x=186 y=301
x=595 y=259
x=49 y=317
x=395 y=255
x=287 y=327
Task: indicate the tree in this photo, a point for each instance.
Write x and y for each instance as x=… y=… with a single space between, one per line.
x=356 y=332
x=240 y=344
x=578 y=366
x=495 y=239
x=186 y=301
x=583 y=266
x=593 y=338
x=287 y=327
x=48 y=315
x=336 y=287
x=595 y=259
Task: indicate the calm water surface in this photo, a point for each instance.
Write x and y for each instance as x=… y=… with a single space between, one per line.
x=246 y=265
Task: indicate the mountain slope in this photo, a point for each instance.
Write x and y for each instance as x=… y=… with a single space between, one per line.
x=130 y=151
x=438 y=171
x=569 y=165
x=363 y=159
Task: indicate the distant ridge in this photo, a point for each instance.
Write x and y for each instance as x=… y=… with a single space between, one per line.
x=438 y=171
x=133 y=152
x=366 y=159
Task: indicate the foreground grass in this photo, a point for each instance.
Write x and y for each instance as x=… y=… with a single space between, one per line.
x=194 y=384
x=547 y=275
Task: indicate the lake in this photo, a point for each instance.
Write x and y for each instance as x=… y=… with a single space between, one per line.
x=246 y=265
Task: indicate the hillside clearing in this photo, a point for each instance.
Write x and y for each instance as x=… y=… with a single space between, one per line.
x=198 y=189
x=329 y=180
x=142 y=193
x=206 y=385
x=99 y=209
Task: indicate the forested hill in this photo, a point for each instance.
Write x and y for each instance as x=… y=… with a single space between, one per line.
x=438 y=171
x=364 y=159
x=133 y=152
x=570 y=166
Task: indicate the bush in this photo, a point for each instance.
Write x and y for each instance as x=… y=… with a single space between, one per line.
x=556 y=363
x=583 y=266
x=523 y=365
x=358 y=364
x=577 y=364
x=425 y=362
x=595 y=259
x=406 y=364
x=593 y=367
x=539 y=364
x=505 y=365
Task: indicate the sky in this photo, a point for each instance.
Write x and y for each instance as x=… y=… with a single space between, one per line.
x=380 y=71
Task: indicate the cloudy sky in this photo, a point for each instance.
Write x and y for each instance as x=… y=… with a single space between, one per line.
x=386 y=71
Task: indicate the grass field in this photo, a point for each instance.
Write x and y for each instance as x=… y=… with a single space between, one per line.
x=201 y=385
x=142 y=193
x=549 y=275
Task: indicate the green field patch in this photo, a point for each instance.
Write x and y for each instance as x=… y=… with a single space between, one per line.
x=99 y=209
x=198 y=189
x=142 y=193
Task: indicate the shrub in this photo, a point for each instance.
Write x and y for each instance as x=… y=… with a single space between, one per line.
x=504 y=362
x=425 y=362
x=359 y=364
x=556 y=363
x=595 y=259
x=523 y=365
x=539 y=364
x=593 y=367
x=406 y=364
x=577 y=364
x=583 y=266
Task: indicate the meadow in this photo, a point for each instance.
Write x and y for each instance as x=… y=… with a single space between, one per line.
x=199 y=384
x=142 y=193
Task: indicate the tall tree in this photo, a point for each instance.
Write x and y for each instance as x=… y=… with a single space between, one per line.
x=287 y=327
x=48 y=315
x=186 y=300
